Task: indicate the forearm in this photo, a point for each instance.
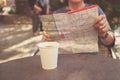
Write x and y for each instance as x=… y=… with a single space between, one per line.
x=108 y=39
x=37 y=8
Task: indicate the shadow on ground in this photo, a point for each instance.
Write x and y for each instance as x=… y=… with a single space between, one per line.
x=16 y=41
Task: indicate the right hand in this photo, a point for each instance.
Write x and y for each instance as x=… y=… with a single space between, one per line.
x=46 y=37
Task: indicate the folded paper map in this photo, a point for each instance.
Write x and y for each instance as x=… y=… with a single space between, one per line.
x=73 y=30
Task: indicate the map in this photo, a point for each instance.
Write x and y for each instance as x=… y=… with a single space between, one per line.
x=74 y=30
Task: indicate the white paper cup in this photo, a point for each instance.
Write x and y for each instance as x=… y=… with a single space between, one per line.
x=49 y=54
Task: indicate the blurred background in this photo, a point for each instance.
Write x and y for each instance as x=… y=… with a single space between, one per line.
x=16 y=37
x=110 y=7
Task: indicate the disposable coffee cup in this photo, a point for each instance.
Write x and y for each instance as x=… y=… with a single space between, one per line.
x=49 y=54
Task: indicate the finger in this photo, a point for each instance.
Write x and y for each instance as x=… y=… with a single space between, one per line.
x=101 y=23
x=44 y=38
x=103 y=30
x=45 y=35
x=99 y=18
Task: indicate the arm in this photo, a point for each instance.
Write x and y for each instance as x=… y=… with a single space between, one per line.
x=104 y=31
x=34 y=6
x=37 y=8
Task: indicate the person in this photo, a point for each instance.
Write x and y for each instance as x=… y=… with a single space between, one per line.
x=105 y=33
x=44 y=4
x=3 y=3
x=12 y=7
x=35 y=11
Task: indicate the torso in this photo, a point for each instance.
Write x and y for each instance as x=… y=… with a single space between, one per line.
x=64 y=10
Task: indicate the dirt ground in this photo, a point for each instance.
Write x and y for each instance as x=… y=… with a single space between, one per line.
x=16 y=41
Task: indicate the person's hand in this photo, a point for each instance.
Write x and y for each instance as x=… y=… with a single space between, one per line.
x=102 y=25
x=46 y=37
x=37 y=8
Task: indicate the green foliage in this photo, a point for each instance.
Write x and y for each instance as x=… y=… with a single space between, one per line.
x=1 y=6
x=0 y=3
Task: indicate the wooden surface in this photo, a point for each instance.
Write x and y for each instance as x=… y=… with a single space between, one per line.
x=70 y=67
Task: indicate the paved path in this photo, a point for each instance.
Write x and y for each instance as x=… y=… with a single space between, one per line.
x=16 y=41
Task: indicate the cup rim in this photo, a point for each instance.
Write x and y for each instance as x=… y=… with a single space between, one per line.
x=44 y=45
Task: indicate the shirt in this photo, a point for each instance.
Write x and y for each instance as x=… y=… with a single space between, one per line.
x=43 y=2
x=64 y=10
x=32 y=3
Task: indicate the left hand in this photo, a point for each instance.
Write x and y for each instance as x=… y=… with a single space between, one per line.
x=46 y=37
x=102 y=25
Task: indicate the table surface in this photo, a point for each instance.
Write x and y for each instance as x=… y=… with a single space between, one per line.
x=70 y=67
